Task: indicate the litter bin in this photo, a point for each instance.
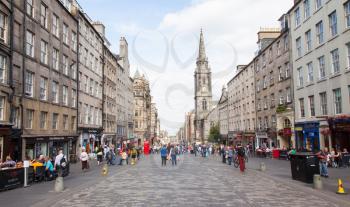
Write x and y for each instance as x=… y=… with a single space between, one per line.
x=304 y=166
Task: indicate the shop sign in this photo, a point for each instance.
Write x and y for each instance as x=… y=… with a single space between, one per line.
x=56 y=138
x=298 y=129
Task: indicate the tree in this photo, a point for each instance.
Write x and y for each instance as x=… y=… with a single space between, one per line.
x=214 y=133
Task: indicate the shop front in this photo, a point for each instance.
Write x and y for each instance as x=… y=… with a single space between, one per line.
x=9 y=143
x=237 y=138
x=108 y=139
x=90 y=138
x=248 y=138
x=307 y=136
x=262 y=140
x=340 y=132
x=49 y=146
x=284 y=138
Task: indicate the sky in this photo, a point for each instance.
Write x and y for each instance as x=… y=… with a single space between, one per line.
x=163 y=38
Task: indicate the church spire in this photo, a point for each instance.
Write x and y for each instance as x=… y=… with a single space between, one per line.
x=201 y=53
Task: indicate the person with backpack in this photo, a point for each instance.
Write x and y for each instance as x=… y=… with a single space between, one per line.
x=173 y=154
x=109 y=157
x=230 y=155
x=241 y=154
x=164 y=154
x=60 y=163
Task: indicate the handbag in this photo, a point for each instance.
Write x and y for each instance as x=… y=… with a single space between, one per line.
x=168 y=157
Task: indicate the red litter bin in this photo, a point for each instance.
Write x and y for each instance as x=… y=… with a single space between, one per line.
x=276 y=153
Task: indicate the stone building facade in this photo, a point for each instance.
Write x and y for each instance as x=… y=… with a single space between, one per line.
x=154 y=120
x=203 y=92
x=274 y=91
x=320 y=38
x=241 y=105
x=189 y=127
x=142 y=108
x=211 y=120
x=223 y=114
x=90 y=83
x=44 y=69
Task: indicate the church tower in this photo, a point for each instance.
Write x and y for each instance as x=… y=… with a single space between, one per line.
x=203 y=94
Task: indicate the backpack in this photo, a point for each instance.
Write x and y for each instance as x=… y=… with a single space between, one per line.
x=63 y=162
x=240 y=151
x=109 y=155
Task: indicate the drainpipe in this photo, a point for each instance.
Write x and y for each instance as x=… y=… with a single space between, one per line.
x=23 y=80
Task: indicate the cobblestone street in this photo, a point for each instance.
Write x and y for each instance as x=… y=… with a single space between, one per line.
x=196 y=181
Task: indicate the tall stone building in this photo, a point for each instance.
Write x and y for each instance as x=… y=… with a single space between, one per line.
x=241 y=105
x=223 y=113
x=320 y=38
x=142 y=108
x=9 y=122
x=125 y=95
x=274 y=88
x=154 y=120
x=211 y=120
x=110 y=64
x=44 y=69
x=90 y=83
x=203 y=93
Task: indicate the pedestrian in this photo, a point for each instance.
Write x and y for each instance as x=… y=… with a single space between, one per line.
x=84 y=157
x=60 y=163
x=109 y=157
x=173 y=153
x=323 y=156
x=163 y=155
x=241 y=154
x=133 y=156
x=99 y=155
x=230 y=155
x=223 y=154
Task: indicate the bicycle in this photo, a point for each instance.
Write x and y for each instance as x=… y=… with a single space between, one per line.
x=236 y=161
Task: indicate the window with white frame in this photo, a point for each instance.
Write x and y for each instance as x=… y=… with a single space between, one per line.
x=73 y=123
x=55 y=91
x=301 y=107
x=86 y=81
x=281 y=98
x=297 y=19
x=30 y=43
x=74 y=41
x=310 y=72
x=265 y=82
x=2 y=108
x=312 y=105
x=96 y=92
x=300 y=77
x=272 y=80
x=65 y=33
x=286 y=43
x=65 y=64
x=91 y=86
x=3 y=69
x=65 y=95
x=263 y=59
x=90 y=116
x=86 y=113
x=288 y=95
x=55 y=58
x=43 y=119
x=272 y=103
x=321 y=67
x=280 y=73
x=55 y=25
x=306 y=9
x=43 y=52
x=319 y=32
x=74 y=98
x=266 y=122
x=308 y=41
x=323 y=103
x=73 y=69
x=348 y=50
x=333 y=27
x=273 y=120
x=278 y=46
x=265 y=103
x=318 y=4
x=347 y=13
x=335 y=61
x=43 y=88
x=43 y=15
x=298 y=47
x=65 y=122
x=337 y=101
x=29 y=84
x=3 y=27
x=287 y=71
x=30 y=7
x=55 y=121
x=29 y=118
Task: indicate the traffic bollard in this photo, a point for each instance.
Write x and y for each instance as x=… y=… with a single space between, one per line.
x=262 y=166
x=26 y=166
x=59 y=184
x=317 y=182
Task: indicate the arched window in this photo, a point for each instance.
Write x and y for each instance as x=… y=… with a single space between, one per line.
x=204 y=104
x=287 y=123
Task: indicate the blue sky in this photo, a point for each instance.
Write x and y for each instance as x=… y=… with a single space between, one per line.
x=163 y=42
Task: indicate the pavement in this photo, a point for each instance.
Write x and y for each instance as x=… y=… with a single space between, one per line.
x=195 y=181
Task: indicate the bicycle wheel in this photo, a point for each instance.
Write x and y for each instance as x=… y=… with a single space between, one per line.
x=236 y=163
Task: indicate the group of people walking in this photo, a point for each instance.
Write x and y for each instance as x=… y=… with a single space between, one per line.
x=170 y=152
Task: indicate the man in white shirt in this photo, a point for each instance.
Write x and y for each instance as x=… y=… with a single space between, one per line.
x=58 y=159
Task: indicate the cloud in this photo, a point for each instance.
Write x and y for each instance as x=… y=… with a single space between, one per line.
x=167 y=54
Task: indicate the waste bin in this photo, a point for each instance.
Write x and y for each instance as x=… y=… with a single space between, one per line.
x=304 y=166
